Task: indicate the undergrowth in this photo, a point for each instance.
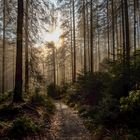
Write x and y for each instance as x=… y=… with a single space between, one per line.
x=27 y=118
x=23 y=126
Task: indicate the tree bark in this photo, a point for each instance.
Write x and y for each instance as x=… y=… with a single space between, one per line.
x=113 y=30
x=18 y=76
x=71 y=37
x=84 y=36
x=135 y=43
x=74 y=43
x=127 y=51
x=26 y=50
x=91 y=36
x=3 y=55
x=108 y=35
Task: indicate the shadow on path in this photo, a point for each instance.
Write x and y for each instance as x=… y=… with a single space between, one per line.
x=67 y=125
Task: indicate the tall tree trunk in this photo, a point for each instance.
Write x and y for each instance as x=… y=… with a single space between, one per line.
x=3 y=55
x=120 y=33
x=84 y=36
x=13 y=67
x=123 y=32
x=113 y=30
x=127 y=36
x=71 y=37
x=135 y=32
x=74 y=43
x=108 y=36
x=117 y=37
x=98 y=38
x=18 y=77
x=91 y=35
x=26 y=50
x=88 y=35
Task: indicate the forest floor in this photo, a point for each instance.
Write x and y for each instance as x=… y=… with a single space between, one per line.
x=67 y=125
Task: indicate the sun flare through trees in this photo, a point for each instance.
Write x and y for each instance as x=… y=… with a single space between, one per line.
x=70 y=69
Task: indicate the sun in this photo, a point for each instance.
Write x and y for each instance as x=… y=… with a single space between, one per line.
x=54 y=36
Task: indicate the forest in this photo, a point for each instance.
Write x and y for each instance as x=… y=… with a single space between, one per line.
x=69 y=69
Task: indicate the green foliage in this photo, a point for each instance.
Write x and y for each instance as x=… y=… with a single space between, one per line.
x=38 y=100
x=50 y=108
x=92 y=86
x=100 y=100
x=84 y=111
x=72 y=95
x=118 y=82
x=63 y=89
x=23 y=126
x=106 y=113
x=130 y=107
x=118 y=73
x=135 y=71
x=5 y=96
x=132 y=102
x=88 y=89
x=43 y=100
x=53 y=91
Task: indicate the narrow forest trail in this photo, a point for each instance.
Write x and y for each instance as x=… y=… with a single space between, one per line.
x=67 y=125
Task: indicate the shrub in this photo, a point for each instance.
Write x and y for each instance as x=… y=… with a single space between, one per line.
x=43 y=100
x=5 y=96
x=92 y=86
x=72 y=95
x=106 y=112
x=38 y=100
x=23 y=126
x=88 y=89
x=120 y=82
x=63 y=89
x=53 y=91
x=132 y=102
x=50 y=107
x=130 y=108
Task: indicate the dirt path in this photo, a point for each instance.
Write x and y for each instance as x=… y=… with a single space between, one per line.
x=66 y=125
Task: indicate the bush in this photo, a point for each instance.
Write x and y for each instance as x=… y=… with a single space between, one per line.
x=100 y=101
x=38 y=100
x=109 y=111
x=23 y=126
x=92 y=86
x=106 y=113
x=130 y=108
x=50 y=107
x=131 y=103
x=119 y=84
x=43 y=100
x=104 y=119
x=5 y=96
x=63 y=89
x=53 y=91
x=72 y=95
